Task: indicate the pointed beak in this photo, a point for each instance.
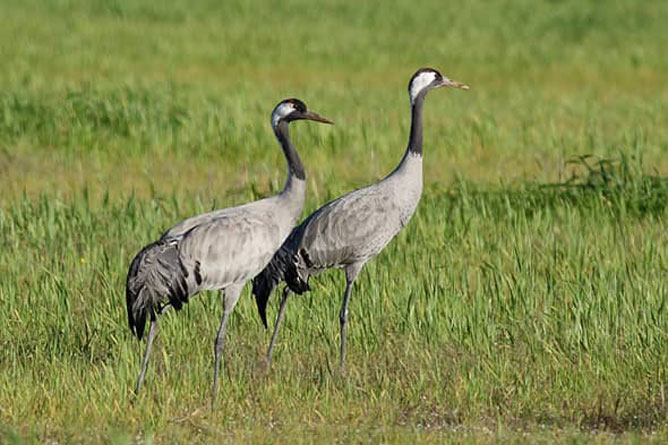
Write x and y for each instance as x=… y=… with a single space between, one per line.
x=310 y=115
x=454 y=84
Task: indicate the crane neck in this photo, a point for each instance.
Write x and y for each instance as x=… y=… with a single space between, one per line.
x=295 y=166
x=415 y=139
x=412 y=159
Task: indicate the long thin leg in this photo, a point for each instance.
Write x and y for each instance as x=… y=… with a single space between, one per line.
x=343 y=317
x=279 y=320
x=218 y=351
x=230 y=296
x=153 y=331
x=351 y=274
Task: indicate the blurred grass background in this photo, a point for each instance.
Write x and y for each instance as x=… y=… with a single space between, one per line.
x=121 y=90
x=510 y=306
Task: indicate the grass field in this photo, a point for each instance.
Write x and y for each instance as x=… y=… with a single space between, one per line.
x=526 y=300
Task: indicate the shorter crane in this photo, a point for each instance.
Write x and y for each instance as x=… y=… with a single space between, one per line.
x=220 y=250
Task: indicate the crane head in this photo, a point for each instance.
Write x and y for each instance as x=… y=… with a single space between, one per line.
x=426 y=79
x=289 y=110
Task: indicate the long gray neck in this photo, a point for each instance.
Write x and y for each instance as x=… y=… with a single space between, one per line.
x=415 y=139
x=295 y=166
x=414 y=149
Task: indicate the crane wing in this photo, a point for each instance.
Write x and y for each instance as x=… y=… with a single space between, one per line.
x=349 y=229
x=231 y=248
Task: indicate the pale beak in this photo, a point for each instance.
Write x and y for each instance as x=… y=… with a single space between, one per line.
x=454 y=84
x=310 y=115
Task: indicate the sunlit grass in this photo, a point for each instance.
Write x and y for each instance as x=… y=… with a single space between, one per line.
x=531 y=307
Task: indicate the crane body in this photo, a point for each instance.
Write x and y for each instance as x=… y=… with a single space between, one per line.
x=219 y=250
x=351 y=230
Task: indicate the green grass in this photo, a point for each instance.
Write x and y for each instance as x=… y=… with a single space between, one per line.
x=525 y=301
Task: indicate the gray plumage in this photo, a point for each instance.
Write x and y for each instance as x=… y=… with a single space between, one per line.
x=209 y=252
x=152 y=277
x=220 y=250
x=351 y=230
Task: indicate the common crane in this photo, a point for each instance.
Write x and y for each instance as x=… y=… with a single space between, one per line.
x=351 y=230
x=220 y=250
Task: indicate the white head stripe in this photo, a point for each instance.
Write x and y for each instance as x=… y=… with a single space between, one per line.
x=281 y=111
x=420 y=82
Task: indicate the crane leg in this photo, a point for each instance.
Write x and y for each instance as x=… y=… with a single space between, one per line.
x=153 y=331
x=351 y=274
x=230 y=296
x=279 y=320
x=149 y=345
x=219 y=347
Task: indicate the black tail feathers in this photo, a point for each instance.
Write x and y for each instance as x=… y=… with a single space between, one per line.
x=282 y=267
x=155 y=273
x=136 y=315
x=137 y=320
x=295 y=282
x=265 y=282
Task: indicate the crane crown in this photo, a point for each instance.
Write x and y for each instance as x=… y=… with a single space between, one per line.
x=285 y=108
x=424 y=78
